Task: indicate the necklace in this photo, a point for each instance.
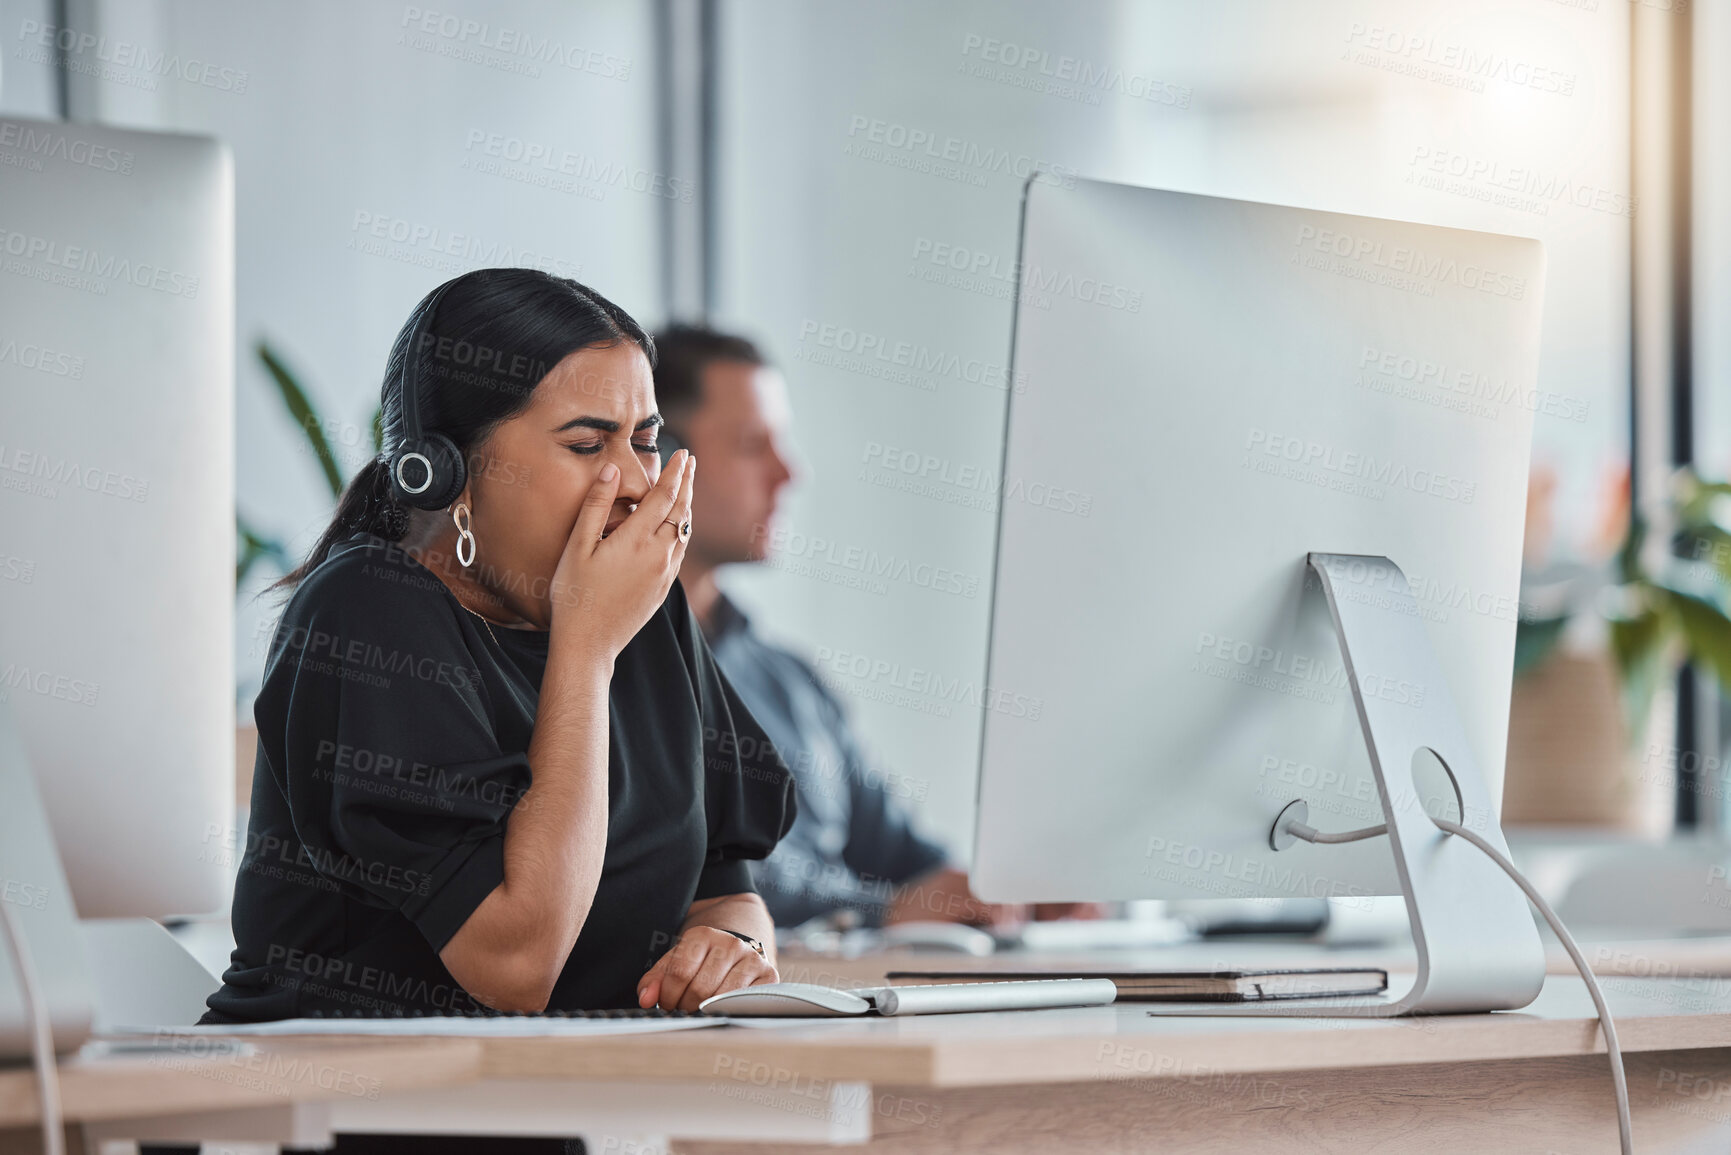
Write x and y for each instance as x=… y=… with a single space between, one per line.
x=484 y=622
x=459 y=601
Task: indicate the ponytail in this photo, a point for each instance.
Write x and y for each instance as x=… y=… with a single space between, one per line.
x=366 y=506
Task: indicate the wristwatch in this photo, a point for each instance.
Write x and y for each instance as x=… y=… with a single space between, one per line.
x=747 y=940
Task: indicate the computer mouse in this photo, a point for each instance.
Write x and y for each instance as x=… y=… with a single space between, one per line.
x=944 y=936
x=788 y=1000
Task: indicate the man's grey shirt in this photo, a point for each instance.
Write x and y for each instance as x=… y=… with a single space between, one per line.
x=852 y=842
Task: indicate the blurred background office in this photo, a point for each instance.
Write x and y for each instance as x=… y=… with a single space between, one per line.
x=841 y=181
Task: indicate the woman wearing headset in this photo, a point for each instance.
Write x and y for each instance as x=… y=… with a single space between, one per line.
x=497 y=766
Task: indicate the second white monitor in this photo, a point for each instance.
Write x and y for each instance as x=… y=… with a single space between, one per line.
x=117 y=505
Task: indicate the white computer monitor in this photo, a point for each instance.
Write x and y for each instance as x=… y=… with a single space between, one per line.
x=117 y=358
x=1232 y=386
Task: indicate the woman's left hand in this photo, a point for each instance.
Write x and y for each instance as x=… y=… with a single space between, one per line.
x=704 y=962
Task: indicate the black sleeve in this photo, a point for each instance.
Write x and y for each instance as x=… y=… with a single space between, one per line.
x=748 y=792
x=394 y=777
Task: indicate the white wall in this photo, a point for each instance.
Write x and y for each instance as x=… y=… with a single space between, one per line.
x=1261 y=99
x=346 y=117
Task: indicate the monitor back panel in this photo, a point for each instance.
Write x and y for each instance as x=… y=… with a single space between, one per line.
x=1228 y=386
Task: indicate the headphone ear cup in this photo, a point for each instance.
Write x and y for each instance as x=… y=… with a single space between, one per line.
x=446 y=471
x=450 y=472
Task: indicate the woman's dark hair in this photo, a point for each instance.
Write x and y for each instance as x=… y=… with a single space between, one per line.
x=495 y=334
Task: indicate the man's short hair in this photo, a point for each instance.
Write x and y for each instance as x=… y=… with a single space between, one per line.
x=683 y=352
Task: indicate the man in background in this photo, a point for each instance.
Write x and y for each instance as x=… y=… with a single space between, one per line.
x=852 y=847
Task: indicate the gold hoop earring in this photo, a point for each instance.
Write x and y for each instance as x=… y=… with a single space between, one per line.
x=465 y=535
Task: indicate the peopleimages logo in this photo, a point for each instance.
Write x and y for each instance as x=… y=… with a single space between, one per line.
x=931 y=146
x=1085 y=75
x=358 y=659
x=1410 y=262
x=1348 y=471
x=39 y=472
x=870 y=347
x=1494 y=176
x=89 y=262
x=866 y=563
x=1466 y=385
x=429 y=245
x=919 y=680
x=962 y=483
x=29 y=356
x=1431 y=597
x=46 y=143
x=1233 y=876
x=1034 y=279
x=401 y=990
x=23 y=894
x=518 y=45
x=61 y=687
x=123 y=54
x=554 y=161
x=1458 y=65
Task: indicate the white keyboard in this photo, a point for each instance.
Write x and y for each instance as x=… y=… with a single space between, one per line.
x=807 y=1000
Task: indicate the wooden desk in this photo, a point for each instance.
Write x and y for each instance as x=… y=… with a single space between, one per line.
x=119 y=1093
x=1099 y=1079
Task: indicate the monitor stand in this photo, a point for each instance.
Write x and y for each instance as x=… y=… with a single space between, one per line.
x=34 y=883
x=95 y=974
x=1477 y=944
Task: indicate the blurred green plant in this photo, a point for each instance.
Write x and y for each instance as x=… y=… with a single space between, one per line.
x=1658 y=617
x=255 y=545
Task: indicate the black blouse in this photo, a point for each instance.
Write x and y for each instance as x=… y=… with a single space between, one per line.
x=393 y=743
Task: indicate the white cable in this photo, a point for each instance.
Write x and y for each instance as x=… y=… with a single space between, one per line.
x=41 y=1036
x=1312 y=834
x=1625 y=1128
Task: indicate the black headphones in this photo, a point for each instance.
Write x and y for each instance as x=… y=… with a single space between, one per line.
x=426 y=471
